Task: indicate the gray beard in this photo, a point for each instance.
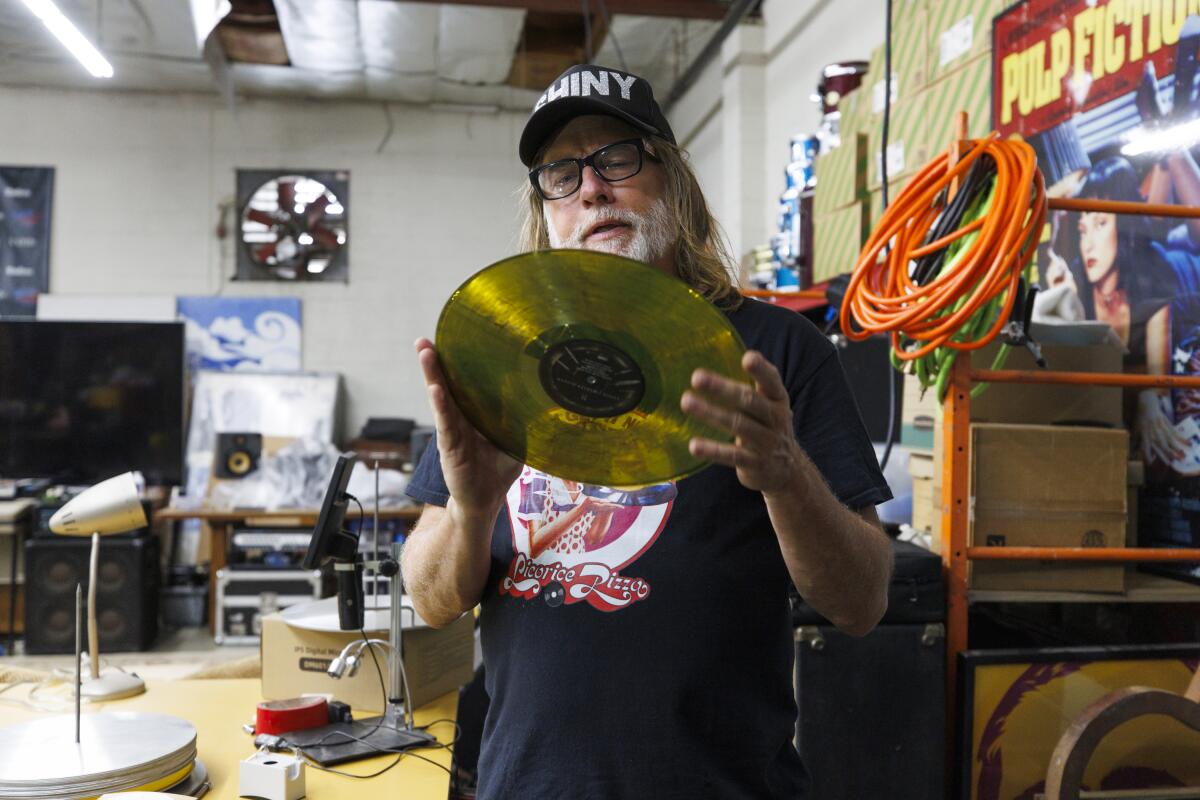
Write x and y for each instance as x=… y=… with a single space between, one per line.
x=652 y=235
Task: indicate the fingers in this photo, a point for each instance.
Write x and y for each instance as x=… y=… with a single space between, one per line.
x=716 y=452
x=446 y=416
x=766 y=377
x=427 y=357
x=741 y=424
x=758 y=400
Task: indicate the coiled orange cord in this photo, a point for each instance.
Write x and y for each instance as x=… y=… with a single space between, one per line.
x=979 y=275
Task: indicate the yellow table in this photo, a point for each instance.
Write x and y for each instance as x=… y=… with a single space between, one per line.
x=219 y=708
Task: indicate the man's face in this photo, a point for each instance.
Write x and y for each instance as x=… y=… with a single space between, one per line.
x=628 y=217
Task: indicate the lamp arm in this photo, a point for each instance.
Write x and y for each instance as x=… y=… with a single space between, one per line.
x=93 y=632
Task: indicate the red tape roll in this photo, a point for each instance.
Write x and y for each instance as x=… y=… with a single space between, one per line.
x=293 y=714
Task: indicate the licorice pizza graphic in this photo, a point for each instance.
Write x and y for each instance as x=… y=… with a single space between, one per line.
x=571 y=540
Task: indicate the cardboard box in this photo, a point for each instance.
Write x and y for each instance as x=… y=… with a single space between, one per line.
x=910 y=59
x=294 y=661
x=1047 y=486
x=920 y=468
x=908 y=144
x=968 y=88
x=837 y=239
x=957 y=31
x=841 y=175
x=1051 y=404
x=1135 y=478
x=1027 y=404
x=918 y=415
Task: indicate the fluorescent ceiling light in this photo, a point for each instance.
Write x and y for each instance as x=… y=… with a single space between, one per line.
x=71 y=38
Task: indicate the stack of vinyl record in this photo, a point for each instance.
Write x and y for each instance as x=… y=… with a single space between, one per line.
x=117 y=751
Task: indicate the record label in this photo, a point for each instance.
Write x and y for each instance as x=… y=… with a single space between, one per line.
x=592 y=378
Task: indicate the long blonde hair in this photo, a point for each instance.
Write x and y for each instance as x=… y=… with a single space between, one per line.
x=701 y=255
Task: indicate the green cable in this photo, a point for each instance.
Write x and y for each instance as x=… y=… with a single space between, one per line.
x=933 y=370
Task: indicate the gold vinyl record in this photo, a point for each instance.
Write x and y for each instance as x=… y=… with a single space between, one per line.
x=574 y=362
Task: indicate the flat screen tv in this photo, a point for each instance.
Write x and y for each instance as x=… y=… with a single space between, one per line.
x=83 y=401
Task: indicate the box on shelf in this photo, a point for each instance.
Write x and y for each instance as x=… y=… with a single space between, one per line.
x=908 y=144
x=294 y=661
x=1032 y=403
x=957 y=31
x=966 y=88
x=924 y=504
x=1047 y=486
x=910 y=60
x=244 y=597
x=837 y=239
x=1048 y=404
x=918 y=415
x=1135 y=478
x=841 y=175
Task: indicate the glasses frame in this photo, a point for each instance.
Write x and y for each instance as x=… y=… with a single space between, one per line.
x=588 y=161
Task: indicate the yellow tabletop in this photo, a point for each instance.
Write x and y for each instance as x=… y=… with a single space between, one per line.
x=219 y=708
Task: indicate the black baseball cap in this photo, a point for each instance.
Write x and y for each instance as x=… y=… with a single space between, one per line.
x=589 y=89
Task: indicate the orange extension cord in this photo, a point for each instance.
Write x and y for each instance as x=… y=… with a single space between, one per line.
x=977 y=276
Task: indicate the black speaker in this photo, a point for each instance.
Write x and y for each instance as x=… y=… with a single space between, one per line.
x=127 y=591
x=868 y=369
x=237 y=454
x=872 y=711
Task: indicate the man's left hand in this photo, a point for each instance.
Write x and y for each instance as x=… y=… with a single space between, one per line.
x=764 y=450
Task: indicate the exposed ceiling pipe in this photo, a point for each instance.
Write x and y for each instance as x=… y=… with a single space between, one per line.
x=737 y=12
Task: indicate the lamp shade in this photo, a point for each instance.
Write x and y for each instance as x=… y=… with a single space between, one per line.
x=111 y=506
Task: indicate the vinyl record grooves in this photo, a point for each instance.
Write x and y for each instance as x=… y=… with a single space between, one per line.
x=119 y=751
x=574 y=361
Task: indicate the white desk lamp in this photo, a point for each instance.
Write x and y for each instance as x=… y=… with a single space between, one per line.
x=111 y=506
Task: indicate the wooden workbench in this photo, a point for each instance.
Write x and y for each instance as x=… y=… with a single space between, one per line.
x=222 y=523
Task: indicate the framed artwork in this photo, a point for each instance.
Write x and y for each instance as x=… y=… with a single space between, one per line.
x=1015 y=704
x=242 y=334
x=26 y=195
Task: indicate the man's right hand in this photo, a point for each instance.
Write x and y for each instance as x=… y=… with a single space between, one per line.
x=477 y=474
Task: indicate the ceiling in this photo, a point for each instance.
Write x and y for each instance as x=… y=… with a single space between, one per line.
x=498 y=54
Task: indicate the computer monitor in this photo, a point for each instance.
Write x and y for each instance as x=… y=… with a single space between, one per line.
x=330 y=540
x=83 y=401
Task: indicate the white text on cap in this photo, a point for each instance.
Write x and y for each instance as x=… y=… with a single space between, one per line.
x=585 y=83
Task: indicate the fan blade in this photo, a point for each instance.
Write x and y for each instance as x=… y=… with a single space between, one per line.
x=286 y=194
x=260 y=216
x=261 y=254
x=316 y=210
x=325 y=237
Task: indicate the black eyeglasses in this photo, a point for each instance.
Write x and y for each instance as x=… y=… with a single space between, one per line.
x=562 y=178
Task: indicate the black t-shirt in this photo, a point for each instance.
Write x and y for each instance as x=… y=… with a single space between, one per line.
x=642 y=646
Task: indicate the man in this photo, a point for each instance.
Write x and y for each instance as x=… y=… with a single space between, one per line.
x=670 y=674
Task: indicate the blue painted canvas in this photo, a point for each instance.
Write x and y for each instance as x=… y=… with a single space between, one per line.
x=242 y=334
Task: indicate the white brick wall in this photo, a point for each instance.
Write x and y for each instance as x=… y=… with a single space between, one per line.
x=800 y=37
x=140 y=176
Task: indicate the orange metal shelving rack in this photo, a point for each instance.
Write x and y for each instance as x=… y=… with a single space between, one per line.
x=956 y=549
